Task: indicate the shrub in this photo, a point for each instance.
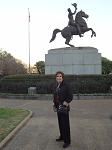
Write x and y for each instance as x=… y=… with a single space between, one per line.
x=43 y=83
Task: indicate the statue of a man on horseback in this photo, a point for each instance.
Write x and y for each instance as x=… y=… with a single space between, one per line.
x=75 y=27
x=72 y=21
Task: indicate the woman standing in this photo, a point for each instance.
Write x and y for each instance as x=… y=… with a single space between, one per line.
x=62 y=97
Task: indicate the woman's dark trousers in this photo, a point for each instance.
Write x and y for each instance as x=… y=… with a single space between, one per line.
x=64 y=127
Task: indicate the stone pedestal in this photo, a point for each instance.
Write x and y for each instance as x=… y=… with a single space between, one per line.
x=73 y=60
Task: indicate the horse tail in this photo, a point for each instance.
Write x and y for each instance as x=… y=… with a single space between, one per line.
x=54 y=34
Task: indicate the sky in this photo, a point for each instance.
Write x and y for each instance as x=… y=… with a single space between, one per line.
x=45 y=16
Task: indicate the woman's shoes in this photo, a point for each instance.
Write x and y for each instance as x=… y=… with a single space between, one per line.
x=66 y=145
x=59 y=139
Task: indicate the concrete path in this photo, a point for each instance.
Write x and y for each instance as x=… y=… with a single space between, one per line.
x=91 y=126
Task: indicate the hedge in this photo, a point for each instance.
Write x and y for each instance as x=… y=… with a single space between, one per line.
x=19 y=84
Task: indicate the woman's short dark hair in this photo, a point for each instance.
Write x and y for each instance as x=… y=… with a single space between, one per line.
x=60 y=72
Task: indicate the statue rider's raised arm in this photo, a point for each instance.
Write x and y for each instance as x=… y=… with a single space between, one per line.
x=71 y=21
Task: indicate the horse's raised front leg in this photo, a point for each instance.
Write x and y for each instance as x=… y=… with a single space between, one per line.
x=93 y=32
x=68 y=40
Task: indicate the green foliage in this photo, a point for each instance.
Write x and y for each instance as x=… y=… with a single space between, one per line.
x=19 y=84
x=4 y=54
x=40 y=65
x=106 y=66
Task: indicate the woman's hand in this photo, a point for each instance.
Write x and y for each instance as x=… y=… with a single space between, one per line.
x=66 y=104
x=54 y=108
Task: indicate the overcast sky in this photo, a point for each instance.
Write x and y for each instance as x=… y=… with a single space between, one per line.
x=46 y=15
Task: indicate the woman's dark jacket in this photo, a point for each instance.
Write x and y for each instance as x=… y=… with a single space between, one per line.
x=61 y=94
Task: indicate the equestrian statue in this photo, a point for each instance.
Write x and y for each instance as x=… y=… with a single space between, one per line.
x=74 y=27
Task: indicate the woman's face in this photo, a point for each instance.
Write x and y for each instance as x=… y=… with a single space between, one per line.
x=59 y=78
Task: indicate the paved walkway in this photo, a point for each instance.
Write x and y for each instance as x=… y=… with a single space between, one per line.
x=91 y=126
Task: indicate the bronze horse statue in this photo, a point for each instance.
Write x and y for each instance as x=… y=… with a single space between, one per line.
x=69 y=31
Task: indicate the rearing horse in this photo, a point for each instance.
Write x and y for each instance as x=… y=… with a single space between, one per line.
x=69 y=31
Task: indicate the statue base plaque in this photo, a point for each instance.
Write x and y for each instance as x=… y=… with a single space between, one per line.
x=73 y=61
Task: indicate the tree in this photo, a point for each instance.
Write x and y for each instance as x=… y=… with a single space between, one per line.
x=40 y=66
x=10 y=65
x=106 y=66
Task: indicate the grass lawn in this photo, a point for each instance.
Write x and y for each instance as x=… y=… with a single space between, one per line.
x=9 y=119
